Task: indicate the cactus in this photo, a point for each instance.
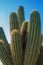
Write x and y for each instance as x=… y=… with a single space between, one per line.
x=20 y=15
x=2 y=35
x=37 y=50
x=40 y=57
x=3 y=38
x=4 y=55
x=14 y=24
x=26 y=39
x=32 y=42
x=16 y=47
x=23 y=31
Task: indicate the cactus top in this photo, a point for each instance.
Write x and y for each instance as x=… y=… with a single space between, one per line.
x=13 y=16
x=35 y=12
x=14 y=24
x=20 y=8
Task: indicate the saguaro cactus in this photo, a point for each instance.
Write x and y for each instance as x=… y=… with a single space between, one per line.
x=20 y=15
x=26 y=40
x=32 y=42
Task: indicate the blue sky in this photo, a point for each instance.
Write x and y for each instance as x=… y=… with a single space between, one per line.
x=8 y=6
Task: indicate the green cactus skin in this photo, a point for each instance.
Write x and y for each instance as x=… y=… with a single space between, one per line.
x=32 y=42
x=20 y=15
x=3 y=38
x=40 y=57
x=37 y=50
x=14 y=24
x=16 y=47
x=23 y=31
x=4 y=55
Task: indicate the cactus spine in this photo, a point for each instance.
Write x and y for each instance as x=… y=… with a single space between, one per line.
x=20 y=15
x=16 y=47
x=34 y=35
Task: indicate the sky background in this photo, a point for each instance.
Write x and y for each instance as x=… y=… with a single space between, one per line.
x=8 y=6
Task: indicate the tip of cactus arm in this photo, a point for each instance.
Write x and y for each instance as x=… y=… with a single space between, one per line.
x=20 y=6
x=35 y=12
x=12 y=14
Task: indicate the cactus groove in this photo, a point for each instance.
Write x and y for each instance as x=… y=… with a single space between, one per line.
x=4 y=55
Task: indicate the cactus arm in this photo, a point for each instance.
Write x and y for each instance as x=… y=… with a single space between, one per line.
x=20 y=15
x=4 y=55
x=3 y=38
x=23 y=31
x=32 y=45
x=14 y=24
x=37 y=44
x=28 y=44
x=16 y=47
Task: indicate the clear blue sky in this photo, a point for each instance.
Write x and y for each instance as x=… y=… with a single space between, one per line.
x=8 y=6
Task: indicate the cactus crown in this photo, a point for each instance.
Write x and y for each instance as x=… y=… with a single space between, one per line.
x=26 y=39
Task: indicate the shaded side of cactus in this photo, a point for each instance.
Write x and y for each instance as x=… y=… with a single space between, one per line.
x=23 y=31
x=20 y=15
x=37 y=50
x=40 y=57
x=14 y=24
x=16 y=47
x=32 y=41
x=4 y=55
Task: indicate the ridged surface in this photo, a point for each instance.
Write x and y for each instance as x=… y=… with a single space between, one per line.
x=23 y=31
x=40 y=57
x=14 y=24
x=33 y=39
x=25 y=42
x=37 y=50
x=4 y=55
x=20 y=15
x=16 y=47
x=3 y=38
